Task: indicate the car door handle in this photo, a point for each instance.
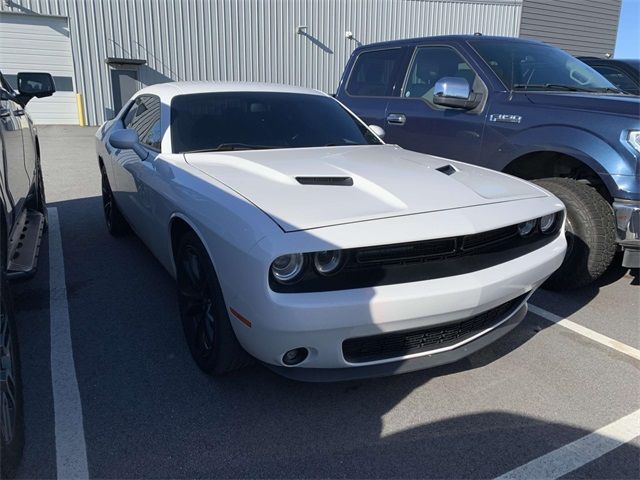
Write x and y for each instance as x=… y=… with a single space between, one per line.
x=19 y=112
x=396 y=118
x=5 y=112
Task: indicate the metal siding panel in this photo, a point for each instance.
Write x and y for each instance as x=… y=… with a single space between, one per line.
x=250 y=39
x=582 y=27
x=35 y=43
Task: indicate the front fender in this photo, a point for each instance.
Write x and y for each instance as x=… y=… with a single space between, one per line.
x=607 y=160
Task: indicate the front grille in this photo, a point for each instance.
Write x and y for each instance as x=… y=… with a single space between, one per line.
x=398 y=344
x=491 y=237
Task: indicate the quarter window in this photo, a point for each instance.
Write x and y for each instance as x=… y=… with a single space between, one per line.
x=144 y=118
x=430 y=64
x=374 y=73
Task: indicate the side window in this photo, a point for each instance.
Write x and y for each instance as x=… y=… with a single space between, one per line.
x=130 y=115
x=430 y=64
x=374 y=73
x=617 y=77
x=4 y=85
x=146 y=120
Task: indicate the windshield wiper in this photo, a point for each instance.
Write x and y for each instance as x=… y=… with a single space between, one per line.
x=552 y=86
x=226 y=147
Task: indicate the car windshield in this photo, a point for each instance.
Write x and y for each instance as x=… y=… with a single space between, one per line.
x=530 y=66
x=261 y=120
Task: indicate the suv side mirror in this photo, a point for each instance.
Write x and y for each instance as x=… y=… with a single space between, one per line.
x=128 y=139
x=455 y=92
x=34 y=84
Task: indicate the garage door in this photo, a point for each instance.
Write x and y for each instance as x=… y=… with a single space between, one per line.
x=31 y=43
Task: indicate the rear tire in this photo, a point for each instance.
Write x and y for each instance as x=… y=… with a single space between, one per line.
x=41 y=199
x=590 y=231
x=116 y=223
x=207 y=327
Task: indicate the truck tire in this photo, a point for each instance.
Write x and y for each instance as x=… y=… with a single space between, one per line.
x=11 y=413
x=206 y=323
x=590 y=230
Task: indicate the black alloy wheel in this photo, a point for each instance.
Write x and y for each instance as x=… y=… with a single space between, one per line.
x=11 y=415
x=116 y=224
x=205 y=321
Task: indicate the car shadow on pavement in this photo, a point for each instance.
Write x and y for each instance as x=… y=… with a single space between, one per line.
x=566 y=303
x=149 y=412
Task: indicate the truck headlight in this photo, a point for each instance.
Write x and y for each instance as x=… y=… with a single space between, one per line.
x=633 y=139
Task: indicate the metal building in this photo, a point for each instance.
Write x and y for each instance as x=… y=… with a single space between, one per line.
x=101 y=51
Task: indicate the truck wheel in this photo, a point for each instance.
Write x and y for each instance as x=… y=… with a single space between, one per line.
x=41 y=199
x=11 y=415
x=116 y=223
x=205 y=320
x=590 y=231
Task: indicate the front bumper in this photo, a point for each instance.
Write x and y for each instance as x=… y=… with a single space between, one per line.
x=627 y=215
x=322 y=321
x=408 y=365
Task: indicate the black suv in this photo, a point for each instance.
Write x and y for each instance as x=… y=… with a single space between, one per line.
x=23 y=214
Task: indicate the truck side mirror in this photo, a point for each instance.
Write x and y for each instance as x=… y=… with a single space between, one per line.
x=379 y=131
x=128 y=139
x=455 y=92
x=34 y=85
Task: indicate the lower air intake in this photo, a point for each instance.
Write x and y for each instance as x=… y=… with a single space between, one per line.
x=408 y=342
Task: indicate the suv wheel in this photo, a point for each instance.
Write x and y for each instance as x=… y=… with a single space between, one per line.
x=590 y=231
x=11 y=419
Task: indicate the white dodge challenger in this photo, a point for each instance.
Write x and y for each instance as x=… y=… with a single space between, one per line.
x=296 y=235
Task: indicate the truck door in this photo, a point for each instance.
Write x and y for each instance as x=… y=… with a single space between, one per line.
x=372 y=80
x=414 y=122
x=16 y=179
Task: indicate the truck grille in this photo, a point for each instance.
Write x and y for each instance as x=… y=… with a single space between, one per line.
x=398 y=344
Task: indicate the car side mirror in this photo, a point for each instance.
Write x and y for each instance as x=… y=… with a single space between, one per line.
x=128 y=139
x=34 y=85
x=455 y=92
x=379 y=131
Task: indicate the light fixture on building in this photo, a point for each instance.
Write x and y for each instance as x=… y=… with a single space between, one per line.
x=348 y=34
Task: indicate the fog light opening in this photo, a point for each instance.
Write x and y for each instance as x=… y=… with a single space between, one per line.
x=295 y=356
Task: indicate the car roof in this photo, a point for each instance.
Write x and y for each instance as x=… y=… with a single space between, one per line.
x=449 y=38
x=632 y=62
x=167 y=91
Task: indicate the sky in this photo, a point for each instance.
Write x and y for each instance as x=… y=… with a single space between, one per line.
x=628 y=42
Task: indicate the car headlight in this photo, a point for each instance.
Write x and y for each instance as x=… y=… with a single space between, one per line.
x=548 y=223
x=327 y=262
x=525 y=228
x=633 y=139
x=287 y=268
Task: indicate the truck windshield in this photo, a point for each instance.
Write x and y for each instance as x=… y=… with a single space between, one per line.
x=223 y=121
x=530 y=66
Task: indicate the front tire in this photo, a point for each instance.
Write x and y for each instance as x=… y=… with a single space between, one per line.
x=590 y=231
x=116 y=223
x=207 y=327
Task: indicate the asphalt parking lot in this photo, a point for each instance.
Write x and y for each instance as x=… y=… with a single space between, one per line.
x=147 y=411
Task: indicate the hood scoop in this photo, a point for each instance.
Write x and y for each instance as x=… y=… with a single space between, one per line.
x=330 y=181
x=447 y=169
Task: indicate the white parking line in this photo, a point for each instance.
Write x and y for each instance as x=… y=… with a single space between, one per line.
x=71 y=451
x=587 y=332
x=577 y=454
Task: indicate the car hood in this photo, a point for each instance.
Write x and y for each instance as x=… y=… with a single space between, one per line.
x=628 y=105
x=387 y=181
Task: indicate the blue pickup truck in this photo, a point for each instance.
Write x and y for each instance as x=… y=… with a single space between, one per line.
x=521 y=107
